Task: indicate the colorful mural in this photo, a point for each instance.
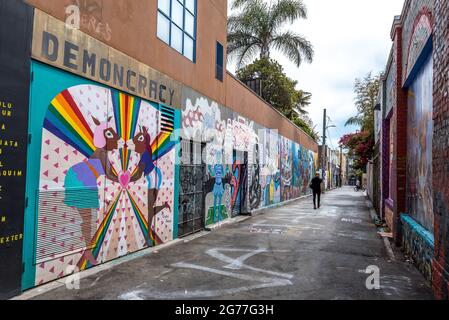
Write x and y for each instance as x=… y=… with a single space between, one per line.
x=255 y=188
x=107 y=172
x=298 y=168
x=286 y=169
x=270 y=172
x=305 y=164
x=419 y=151
x=106 y=179
x=218 y=188
x=229 y=141
x=391 y=156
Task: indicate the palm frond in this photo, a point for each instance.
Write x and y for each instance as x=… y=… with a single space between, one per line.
x=286 y=11
x=240 y=39
x=354 y=121
x=294 y=46
x=245 y=54
x=243 y=3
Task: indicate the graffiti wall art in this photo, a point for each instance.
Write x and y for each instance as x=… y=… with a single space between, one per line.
x=106 y=179
x=247 y=166
x=420 y=133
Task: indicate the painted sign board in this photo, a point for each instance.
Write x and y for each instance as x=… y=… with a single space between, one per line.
x=15 y=51
x=72 y=50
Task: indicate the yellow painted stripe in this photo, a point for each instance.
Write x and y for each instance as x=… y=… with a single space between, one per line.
x=130 y=113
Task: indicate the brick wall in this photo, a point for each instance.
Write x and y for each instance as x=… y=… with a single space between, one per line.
x=400 y=145
x=441 y=149
x=385 y=164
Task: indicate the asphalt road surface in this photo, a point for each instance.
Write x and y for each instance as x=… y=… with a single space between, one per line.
x=293 y=252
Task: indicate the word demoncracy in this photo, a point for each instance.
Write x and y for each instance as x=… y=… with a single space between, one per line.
x=91 y=65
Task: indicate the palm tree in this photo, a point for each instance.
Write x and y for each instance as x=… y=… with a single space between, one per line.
x=355 y=121
x=258 y=28
x=304 y=100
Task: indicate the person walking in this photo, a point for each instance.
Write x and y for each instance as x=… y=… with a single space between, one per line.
x=315 y=185
x=357 y=184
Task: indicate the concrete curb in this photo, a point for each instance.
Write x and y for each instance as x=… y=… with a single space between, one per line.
x=27 y=295
x=385 y=240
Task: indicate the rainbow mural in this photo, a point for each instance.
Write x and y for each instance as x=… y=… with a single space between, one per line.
x=65 y=120
x=121 y=219
x=126 y=111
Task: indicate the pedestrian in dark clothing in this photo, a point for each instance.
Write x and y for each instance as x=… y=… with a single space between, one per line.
x=315 y=185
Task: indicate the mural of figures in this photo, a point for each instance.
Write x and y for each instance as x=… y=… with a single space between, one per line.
x=142 y=144
x=218 y=187
x=255 y=188
x=297 y=181
x=420 y=132
x=270 y=171
x=286 y=170
x=81 y=179
x=247 y=166
x=106 y=179
x=307 y=164
x=239 y=182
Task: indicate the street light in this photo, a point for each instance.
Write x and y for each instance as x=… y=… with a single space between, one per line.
x=325 y=128
x=341 y=166
x=325 y=156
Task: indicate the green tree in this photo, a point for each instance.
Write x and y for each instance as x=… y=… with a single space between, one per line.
x=306 y=128
x=360 y=145
x=366 y=91
x=258 y=27
x=279 y=91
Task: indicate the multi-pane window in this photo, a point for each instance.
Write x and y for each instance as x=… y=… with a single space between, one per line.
x=219 y=62
x=176 y=25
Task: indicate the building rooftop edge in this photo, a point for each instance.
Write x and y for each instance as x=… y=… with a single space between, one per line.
x=270 y=106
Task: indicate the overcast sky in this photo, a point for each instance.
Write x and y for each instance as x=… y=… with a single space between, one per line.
x=350 y=38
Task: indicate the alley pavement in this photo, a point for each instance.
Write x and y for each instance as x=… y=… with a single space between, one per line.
x=292 y=252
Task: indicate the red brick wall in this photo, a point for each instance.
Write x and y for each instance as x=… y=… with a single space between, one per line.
x=441 y=149
x=385 y=152
x=400 y=145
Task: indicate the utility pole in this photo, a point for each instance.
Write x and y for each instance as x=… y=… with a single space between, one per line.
x=341 y=166
x=324 y=143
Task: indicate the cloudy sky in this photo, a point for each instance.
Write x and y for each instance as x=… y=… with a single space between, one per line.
x=350 y=38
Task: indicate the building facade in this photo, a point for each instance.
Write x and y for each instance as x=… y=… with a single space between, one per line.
x=333 y=163
x=134 y=132
x=412 y=141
